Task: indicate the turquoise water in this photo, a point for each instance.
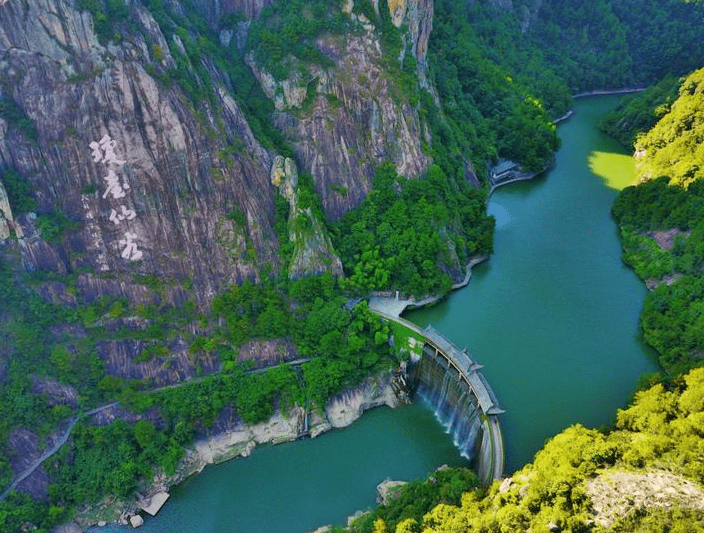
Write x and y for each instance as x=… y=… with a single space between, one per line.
x=299 y=486
x=553 y=315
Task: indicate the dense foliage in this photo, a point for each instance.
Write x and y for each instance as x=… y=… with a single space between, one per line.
x=637 y=113
x=405 y=510
x=662 y=225
x=282 y=38
x=672 y=315
x=112 y=459
x=615 y=43
x=491 y=106
x=674 y=147
x=409 y=234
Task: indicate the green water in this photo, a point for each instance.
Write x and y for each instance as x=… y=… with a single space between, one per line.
x=553 y=316
x=299 y=486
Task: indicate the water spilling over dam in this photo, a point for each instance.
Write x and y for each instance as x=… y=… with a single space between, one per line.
x=454 y=406
x=450 y=381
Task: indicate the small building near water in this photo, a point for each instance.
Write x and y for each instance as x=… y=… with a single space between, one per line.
x=505 y=169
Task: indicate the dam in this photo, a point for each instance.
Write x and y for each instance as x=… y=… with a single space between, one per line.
x=451 y=381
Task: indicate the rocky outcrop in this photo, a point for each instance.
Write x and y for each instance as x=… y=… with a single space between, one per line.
x=346 y=407
x=147 y=176
x=122 y=358
x=56 y=393
x=616 y=494
x=388 y=490
x=358 y=120
x=6 y=219
x=240 y=439
x=313 y=252
x=418 y=17
x=262 y=353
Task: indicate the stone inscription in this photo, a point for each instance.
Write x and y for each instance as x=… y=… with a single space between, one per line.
x=103 y=151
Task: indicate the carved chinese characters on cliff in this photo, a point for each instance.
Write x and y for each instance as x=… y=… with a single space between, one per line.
x=103 y=151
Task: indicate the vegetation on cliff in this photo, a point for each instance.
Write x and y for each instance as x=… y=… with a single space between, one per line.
x=637 y=113
x=674 y=147
x=490 y=95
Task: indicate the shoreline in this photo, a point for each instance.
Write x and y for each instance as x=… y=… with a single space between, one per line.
x=395 y=306
x=603 y=92
x=240 y=440
x=529 y=176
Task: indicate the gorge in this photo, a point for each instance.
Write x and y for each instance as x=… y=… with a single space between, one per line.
x=567 y=374
x=196 y=197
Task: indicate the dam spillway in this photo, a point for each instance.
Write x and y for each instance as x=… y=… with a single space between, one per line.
x=451 y=382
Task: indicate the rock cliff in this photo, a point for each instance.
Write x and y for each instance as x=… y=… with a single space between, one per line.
x=313 y=252
x=6 y=218
x=147 y=177
x=347 y=118
x=133 y=176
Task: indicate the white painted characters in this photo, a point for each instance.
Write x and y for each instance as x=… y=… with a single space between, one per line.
x=114 y=188
x=130 y=252
x=124 y=214
x=103 y=151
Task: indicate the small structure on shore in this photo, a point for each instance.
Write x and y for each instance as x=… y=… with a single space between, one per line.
x=504 y=170
x=153 y=504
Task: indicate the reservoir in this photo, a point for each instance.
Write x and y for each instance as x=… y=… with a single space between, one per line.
x=553 y=317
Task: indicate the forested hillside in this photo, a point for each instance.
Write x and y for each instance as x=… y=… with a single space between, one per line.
x=662 y=224
x=189 y=192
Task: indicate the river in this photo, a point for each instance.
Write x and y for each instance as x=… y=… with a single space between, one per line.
x=552 y=316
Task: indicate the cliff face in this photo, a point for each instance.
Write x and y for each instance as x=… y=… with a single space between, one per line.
x=347 y=119
x=418 y=16
x=155 y=183
x=148 y=178
x=6 y=218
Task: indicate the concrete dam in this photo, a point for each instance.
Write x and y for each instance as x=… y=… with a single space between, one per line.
x=451 y=382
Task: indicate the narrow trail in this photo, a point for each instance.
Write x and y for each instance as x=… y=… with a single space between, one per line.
x=63 y=437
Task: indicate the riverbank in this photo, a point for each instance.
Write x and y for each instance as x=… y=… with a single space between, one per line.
x=239 y=440
x=604 y=92
x=521 y=176
x=395 y=306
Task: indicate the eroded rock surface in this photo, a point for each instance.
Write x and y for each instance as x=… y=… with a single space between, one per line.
x=615 y=494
